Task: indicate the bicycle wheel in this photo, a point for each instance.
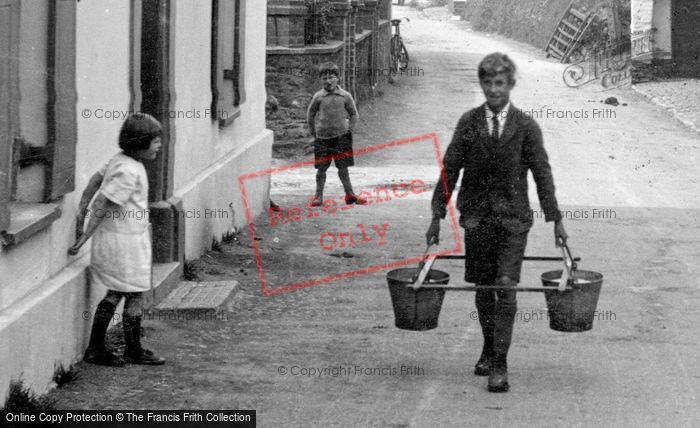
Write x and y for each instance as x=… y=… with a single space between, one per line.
x=403 y=58
x=395 y=50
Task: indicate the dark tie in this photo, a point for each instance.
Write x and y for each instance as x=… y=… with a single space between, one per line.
x=494 y=130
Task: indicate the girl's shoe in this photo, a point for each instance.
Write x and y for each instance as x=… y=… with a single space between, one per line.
x=317 y=201
x=134 y=353
x=102 y=357
x=145 y=357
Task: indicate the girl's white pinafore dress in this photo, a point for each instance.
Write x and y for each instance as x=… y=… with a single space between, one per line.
x=121 y=246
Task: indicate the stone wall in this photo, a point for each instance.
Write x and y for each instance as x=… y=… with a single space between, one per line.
x=293 y=79
x=662 y=69
x=291 y=71
x=384 y=53
x=533 y=21
x=363 y=70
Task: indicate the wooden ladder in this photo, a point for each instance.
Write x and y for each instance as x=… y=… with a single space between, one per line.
x=567 y=34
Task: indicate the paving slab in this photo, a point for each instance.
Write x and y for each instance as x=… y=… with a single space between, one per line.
x=198 y=296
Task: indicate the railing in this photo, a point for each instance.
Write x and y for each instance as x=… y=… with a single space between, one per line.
x=642 y=43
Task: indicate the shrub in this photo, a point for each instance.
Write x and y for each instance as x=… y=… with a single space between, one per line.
x=22 y=399
x=62 y=376
x=316 y=27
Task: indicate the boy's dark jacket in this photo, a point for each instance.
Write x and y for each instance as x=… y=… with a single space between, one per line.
x=494 y=183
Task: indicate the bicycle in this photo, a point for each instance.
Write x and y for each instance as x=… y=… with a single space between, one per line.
x=399 y=54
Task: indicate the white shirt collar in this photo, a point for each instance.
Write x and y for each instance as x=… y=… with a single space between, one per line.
x=501 y=115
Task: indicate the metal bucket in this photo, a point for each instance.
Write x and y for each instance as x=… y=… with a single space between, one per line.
x=416 y=310
x=573 y=309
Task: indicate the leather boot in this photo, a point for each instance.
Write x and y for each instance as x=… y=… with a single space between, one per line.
x=97 y=352
x=134 y=353
x=485 y=306
x=506 y=307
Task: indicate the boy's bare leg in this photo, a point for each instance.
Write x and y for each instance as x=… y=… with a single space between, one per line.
x=320 y=182
x=350 y=197
x=344 y=176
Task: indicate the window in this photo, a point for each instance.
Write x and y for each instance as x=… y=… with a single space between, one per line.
x=37 y=104
x=227 y=74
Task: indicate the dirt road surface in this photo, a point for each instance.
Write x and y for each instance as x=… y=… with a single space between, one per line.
x=330 y=355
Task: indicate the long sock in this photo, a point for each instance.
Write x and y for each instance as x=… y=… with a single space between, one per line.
x=485 y=306
x=506 y=307
x=103 y=316
x=132 y=334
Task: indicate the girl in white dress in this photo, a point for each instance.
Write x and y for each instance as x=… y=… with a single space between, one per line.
x=121 y=245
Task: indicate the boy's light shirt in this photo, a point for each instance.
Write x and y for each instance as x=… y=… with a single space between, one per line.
x=501 y=115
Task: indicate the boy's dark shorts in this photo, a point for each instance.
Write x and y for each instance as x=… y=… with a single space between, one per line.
x=336 y=148
x=492 y=251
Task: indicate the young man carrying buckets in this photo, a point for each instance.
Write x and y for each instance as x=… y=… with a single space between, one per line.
x=496 y=145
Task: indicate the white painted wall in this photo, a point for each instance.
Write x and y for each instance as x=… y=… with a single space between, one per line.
x=208 y=158
x=642 y=13
x=662 y=22
x=41 y=313
x=653 y=15
x=102 y=82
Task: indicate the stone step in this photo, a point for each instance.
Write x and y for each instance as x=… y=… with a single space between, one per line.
x=166 y=277
x=198 y=296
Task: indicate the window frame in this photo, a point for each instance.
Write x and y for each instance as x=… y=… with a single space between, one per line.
x=225 y=113
x=18 y=220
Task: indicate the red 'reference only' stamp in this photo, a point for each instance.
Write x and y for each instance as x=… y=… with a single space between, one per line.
x=357 y=235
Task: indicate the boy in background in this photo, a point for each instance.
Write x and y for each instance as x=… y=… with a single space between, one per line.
x=332 y=116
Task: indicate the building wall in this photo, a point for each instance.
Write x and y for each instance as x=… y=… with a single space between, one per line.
x=651 y=21
x=44 y=294
x=33 y=88
x=41 y=308
x=661 y=21
x=661 y=61
x=210 y=158
x=363 y=69
x=102 y=85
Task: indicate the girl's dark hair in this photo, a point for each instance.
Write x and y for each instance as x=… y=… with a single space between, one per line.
x=138 y=131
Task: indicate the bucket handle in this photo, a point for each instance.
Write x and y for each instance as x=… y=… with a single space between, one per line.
x=426 y=262
x=570 y=266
